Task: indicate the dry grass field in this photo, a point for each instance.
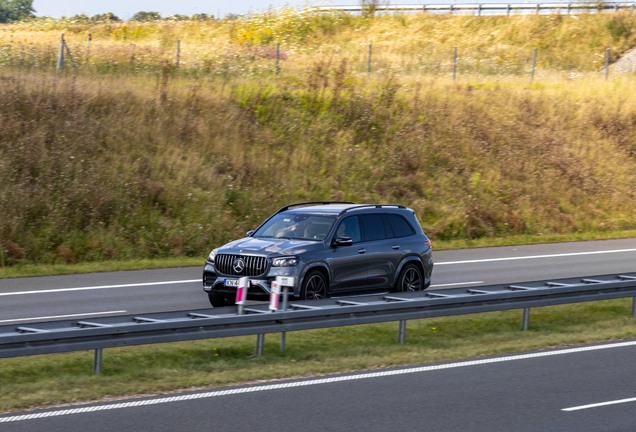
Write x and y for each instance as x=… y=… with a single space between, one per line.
x=130 y=158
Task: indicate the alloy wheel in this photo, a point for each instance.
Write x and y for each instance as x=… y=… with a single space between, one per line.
x=412 y=280
x=316 y=288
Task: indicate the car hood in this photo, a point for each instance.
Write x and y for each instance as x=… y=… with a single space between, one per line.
x=269 y=247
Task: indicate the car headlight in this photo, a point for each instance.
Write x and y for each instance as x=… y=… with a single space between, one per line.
x=212 y=255
x=285 y=261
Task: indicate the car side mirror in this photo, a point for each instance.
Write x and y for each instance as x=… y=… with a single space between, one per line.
x=249 y=233
x=343 y=241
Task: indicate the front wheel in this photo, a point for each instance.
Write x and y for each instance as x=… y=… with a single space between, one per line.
x=218 y=301
x=410 y=279
x=314 y=286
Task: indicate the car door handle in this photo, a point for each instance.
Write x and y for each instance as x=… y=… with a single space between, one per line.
x=396 y=246
x=362 y=250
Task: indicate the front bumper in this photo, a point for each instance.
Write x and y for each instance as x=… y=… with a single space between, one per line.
x=260 y=286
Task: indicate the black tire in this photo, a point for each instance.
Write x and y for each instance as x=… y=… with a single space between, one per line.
x=219 y=301
x=314 y=286
x=410 y=279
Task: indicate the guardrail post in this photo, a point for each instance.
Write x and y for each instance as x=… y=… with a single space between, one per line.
x=568 y=8
x=454 y=64
x=97 y=361
x=508 y=9
x=607 y=56
x=402 y=331
x=369 y=61
x=260 y=340
x=479 y=9
x=525 y=320
x=283 y=334
x=537 y=9
x=634 y=306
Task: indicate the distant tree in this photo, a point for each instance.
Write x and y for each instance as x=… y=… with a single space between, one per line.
x=201 y=17
x=15 y=10
x=146 y=16
x=106 y=17
x=177 y=17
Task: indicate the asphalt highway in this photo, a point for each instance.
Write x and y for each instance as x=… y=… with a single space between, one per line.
x=589 y=388
x=25 y=300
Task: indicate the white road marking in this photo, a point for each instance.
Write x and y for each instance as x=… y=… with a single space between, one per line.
x=99 y=287
x=620 y=401
x=310 y=382
x=454 y=284
x=62 y=316
x=534 y=257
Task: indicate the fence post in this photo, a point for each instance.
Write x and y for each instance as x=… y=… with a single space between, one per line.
x=615 y=7
x=454 y=64
x=401 y=331
x=277 y=56
x=508 y=9
x=88 y=49
x=178 y=52
x=568 y=8
x=369 y=61
x=607 y=56
x=537 y=9
x=534 y=63
x=97 y=361
x=60 y=56
x=479 y=9
x=525 y=320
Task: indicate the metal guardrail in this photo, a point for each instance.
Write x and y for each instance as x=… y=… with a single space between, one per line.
x=478 y=8
x=118 y=331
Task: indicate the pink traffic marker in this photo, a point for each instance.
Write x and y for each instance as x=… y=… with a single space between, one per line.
x=241 y=293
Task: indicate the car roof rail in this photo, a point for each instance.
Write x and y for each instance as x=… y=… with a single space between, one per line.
x=371 y=205
x=287 y=207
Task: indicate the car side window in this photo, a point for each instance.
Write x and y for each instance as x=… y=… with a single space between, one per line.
x=387 y=227
x=373 y=227
x=350 y=227
x=401 y=227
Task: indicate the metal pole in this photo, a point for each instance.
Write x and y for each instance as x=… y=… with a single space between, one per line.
x=607 y=55
x=479 y=9
x=60 y=57
x=537 y=8
x=283 y=334
x=88 y=50
x=178 y=52
x=525 y=320
x=508 y=9
x=634 y=306
x=260 y=340
x=534 y=63
x=369 y=61
x=568 y=8
x=277 y=56
x=401 y=331
x=97 y=361
x=454 y=64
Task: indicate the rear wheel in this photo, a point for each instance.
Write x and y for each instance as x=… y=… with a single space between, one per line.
x=314 y=286
x=217 y=300
x=410 y=279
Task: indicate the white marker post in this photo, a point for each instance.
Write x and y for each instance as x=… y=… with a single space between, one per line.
x=285 y=283
x=274 y=296
x=241 y=293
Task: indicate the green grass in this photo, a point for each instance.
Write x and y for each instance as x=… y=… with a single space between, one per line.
x=40 y=381
x=32 y=270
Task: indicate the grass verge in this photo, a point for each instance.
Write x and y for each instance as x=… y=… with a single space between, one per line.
x=32 y=270
x=42 y=381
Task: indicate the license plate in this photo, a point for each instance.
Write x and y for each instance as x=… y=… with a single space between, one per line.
x=231 y=282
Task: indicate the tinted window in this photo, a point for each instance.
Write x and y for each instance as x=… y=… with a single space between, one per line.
x=387 y=228
x=373 y=227
x=350 y=227
x=401 y=228
x=297 y=226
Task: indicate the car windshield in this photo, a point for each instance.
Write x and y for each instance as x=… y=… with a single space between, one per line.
x=297 y=227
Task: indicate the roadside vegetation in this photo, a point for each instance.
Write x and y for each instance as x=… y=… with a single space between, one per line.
x=129 y=158
x=52 y=380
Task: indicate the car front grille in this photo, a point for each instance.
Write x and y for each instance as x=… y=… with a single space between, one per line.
x=253 y=266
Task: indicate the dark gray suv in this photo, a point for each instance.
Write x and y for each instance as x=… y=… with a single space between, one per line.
x=329 y=248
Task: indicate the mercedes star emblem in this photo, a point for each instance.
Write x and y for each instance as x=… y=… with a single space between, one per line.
x=238 y=265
